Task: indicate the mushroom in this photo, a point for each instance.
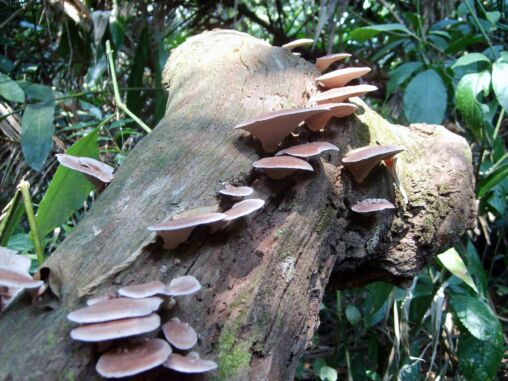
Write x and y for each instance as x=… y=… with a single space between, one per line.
x=270 y=129
x=338 y=110
x=308 y=149
x=116 y=329
x=11 y=277
x=11 y=260
x=297 y=43
x=114 y=309
x=191 y=363
x=341 y=77
x=102 y=298
x=184 y=285
x=372 y=205
x=95 y=171
x=239 y=210
x=177 y=231
x=144 y=290
x=323 y=63
x=362 y=160
x=279 y=167
x=342 y=93
x=133 y=359
x=230 y=190
x=180 y=335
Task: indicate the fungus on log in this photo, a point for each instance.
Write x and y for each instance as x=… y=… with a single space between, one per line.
x=263 y=281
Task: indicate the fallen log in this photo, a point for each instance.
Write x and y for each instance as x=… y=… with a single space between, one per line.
x=263 y=278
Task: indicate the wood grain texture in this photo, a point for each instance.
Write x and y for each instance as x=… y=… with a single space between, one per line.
x=263 y=277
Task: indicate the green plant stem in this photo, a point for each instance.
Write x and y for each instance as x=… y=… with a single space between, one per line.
x=24 y=188
x=116 y=91
x=482 y=31
x=498 y=125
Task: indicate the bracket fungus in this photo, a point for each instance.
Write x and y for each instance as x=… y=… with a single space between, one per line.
x=177 y=231
x=179 y=334
x=279 y=167
x=11 y=277
x=340 y=94
x=133 y=359
x=114 y=309
x=144 y=290
x=337 y=110
x=270 y=129
x=342 y=77
x=116 y=329
x=10 y=260
x=362 y=160
x=324 y=62
x=95 y=171
x=308 y=149
x=184 y=285
x=230 y=190
x=297 y=43
x=191 y=363
x=239 y=210
x=370 y=205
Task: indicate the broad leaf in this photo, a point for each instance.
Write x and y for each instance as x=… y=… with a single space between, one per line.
x=10 y=90
x=492 y=180
x=400 y=74
x=327 y=374
x=425 y=98
x=68 y=190
x=36 y=91
x=452 y=261
x=6 y=64
x=472 y=111
x=10 y=217
x=500 y=80
x=469 y=59
x=479 y=360
x=366 y=32
x=476 y=317
x=353 y=314
x=37 y=132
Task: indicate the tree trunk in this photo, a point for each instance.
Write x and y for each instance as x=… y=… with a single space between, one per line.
x=263 y=278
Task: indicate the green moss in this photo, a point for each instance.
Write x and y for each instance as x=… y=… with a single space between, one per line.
x=234 y=354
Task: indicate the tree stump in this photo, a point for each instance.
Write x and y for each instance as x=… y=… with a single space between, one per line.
x=263 y=278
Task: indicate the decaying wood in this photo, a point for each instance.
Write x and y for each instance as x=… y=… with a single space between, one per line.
x=263 y=278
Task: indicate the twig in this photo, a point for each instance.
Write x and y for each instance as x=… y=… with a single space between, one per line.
x=24 y=188
x=116 y=92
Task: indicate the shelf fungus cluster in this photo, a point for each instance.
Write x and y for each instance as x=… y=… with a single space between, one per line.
x=132 y=321
x=14 y=276
x=98 y=173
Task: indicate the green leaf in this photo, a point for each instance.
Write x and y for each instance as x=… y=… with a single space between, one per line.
x=68 y=190
x=472 y=111
x=353 y=314
x=37 y=132
x=479 y=360
x=36 y=91
x=400 y=74
x=476 y=317
x=135 y=100
x=500 y=80
x=492 y=180
x=327 y=374
x=425 y=98
x=367 y=32
x=10 y=90
x=10 y=218
x=6 y=64
x=452 y=261
x=470 y=58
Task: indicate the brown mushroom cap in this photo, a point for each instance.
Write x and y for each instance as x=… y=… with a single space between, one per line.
x=114 y=309
x=10 y=277
x=144 y=290
x=116 y=329
x=230 y=190
x=323 y=63
x=279 y=167
x=297 y=43
x=177 y=231
x=308 y=149
x=362 y=160
x=270 y=129
x=341 y=77
x=133 y=359
x=179 y=334
x=337 y=110
x=189 y=364
x=342 y=93
x=372 y=205
x=184 y=285
x=243 y=208
x=97 y=172
x=101 y=298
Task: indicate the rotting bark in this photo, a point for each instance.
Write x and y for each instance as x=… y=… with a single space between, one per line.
x=263 y=279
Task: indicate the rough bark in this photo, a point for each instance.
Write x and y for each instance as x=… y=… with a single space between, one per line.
x=263 y=278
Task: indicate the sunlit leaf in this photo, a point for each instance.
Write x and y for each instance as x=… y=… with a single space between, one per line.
x=366 y=32
x=500 y=80
x=452 y=261
x=469 y=59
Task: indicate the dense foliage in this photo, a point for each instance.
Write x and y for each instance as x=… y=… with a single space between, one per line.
x=440 y=62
